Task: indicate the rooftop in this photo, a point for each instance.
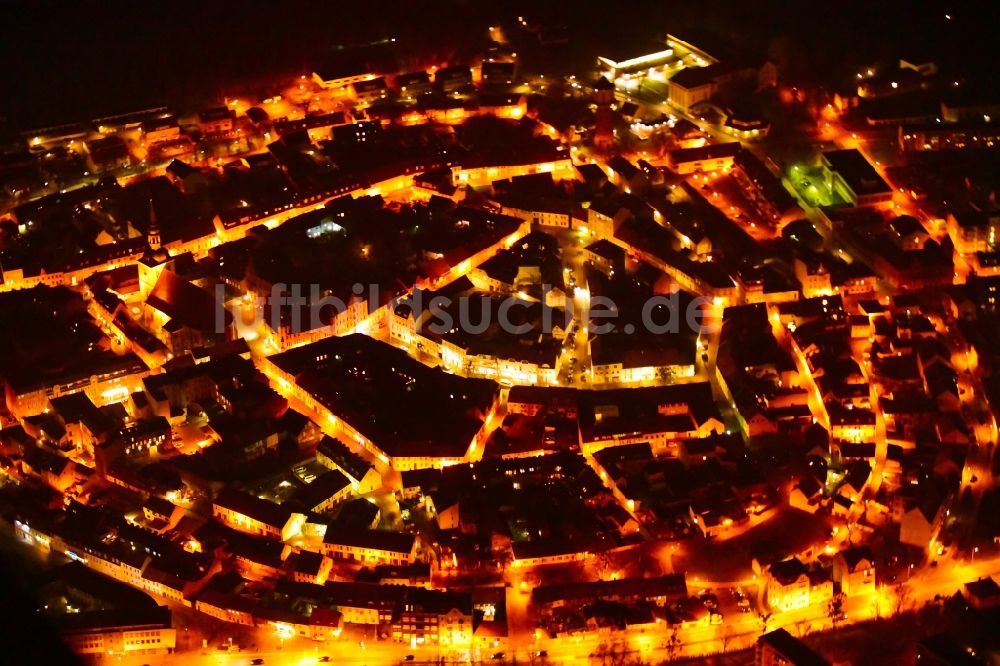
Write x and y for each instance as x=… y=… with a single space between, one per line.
x=792 y=649
x=856 y=171
x=253 y=507
x=394 y=400
x=382 y=540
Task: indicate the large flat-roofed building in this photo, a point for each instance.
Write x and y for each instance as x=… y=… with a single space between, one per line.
x=342 y=77
x=355 y=65
x=636 y=58
x=690 y=54
x=659 y=60
x=693 y=85
x=854 y=179
x=654 y=54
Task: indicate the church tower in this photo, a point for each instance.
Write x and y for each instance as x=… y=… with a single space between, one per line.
x=604 y=126
x=153 y=233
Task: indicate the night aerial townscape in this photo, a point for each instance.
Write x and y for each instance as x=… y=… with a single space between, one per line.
x=455 y=332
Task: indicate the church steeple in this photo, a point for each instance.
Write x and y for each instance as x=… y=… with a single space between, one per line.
x=153 y=233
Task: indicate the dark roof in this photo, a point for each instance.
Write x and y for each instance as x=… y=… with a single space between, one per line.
x=622 y=166
x=322 y=488
x=904 y=225
x=326 y=617
x=393 y=542
x=358 y=512
x=525 y=550
x=360 y=595
x=766 y=182
x=591 y=172
x=848 y=417
x=602 y=83
x=809 y=486
x=159 y=506
x=971 y=219
x=78 y=408
x=181 y=169
x=854 y=555
x=372 y=59
x=285 y=127
x=606 y=250
x=640 y=409
x=792 y=649
x=162 y=122
x=144 y=429
x=843 y=501
x=227 y=600
x=258 y=551
x=371 y=386
x=652 y=351
x=628 y=109
x=112 y=593
x=187 y=304
x=108 y=148
x=130 y=619
x=216 y=113
x=695 y=77
x=498 y=69
x=252 y=506
x=984 y=588
x=382 y=572
x=370 y=85
x=788 y=571
x=947 y=650
x=257 y=115
x=670 y=585
x=308 y=562
x=712 y=151
x=852 y=450
x=856 y=171
x=413 y=78
x=453 y=71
